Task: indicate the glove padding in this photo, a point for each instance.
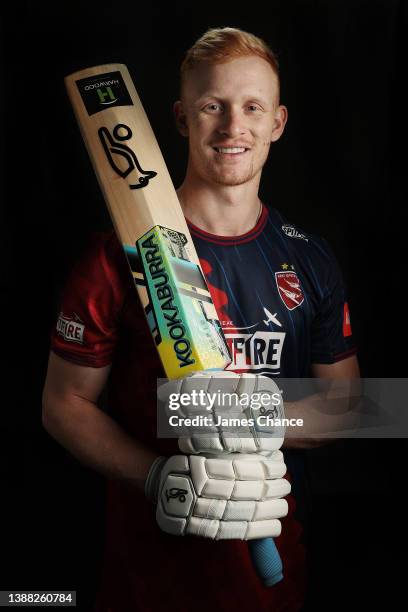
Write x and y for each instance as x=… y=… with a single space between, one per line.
x=259 y=438
x=236 y=497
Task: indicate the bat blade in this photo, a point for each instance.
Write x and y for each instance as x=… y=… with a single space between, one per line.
x=148 y=220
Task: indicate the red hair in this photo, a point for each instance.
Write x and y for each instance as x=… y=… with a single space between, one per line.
x=220 y=45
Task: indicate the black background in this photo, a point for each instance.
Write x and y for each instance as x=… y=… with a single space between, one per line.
x=339 y=171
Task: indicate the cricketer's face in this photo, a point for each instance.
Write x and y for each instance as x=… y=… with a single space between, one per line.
x=230 y=113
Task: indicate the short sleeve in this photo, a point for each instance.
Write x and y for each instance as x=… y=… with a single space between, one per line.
x=86 y=330
x=332 y=338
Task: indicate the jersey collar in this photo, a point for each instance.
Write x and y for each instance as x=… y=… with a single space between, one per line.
x=231 y=240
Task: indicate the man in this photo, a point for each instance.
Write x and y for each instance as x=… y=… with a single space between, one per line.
x=281 y=302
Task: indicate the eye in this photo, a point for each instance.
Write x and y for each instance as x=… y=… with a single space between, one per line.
x=212 y=107
x=253 y=108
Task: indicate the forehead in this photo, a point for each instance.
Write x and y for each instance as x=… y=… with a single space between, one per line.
x=245 y=76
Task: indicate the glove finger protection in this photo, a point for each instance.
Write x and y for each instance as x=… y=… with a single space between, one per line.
x=234 y=497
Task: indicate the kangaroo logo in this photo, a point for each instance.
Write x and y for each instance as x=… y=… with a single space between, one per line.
x=269 y=413
x=176 y=493
x=117 y=152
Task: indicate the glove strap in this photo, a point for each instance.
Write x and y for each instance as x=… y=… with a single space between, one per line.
x=152 y=483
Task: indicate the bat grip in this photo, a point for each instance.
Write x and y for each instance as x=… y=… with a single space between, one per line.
x=266 y=560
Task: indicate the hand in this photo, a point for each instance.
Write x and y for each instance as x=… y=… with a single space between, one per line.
x=255 y=396
x=234 y=497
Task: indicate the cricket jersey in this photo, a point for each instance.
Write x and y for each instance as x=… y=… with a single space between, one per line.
x=280 y=296
x=282 y=304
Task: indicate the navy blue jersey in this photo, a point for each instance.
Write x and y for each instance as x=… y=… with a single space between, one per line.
x=280 y=296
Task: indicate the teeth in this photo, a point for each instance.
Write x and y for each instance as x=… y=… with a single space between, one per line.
x=231 y=150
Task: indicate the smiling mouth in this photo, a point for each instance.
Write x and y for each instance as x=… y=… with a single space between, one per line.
x=230 y=150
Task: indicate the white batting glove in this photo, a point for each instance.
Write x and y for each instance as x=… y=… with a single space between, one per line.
x=234 y=497
x=226 y=438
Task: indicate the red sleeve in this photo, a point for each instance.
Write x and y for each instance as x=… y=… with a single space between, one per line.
x=86 y=330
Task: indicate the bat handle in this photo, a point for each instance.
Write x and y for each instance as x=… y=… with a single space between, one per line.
x=266 y=560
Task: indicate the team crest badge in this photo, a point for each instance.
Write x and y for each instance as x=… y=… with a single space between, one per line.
x=289 y=289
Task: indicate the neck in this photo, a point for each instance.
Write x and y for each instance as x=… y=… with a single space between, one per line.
x=221 y=210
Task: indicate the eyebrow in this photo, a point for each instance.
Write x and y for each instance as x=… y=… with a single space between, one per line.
x=248 y=98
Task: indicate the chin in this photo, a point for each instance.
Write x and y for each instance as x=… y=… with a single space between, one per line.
x=231 y=180
x=220 y=177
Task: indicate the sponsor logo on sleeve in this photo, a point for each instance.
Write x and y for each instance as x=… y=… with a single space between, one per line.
x=346 y=321
x=70 y=328
x=293 y=233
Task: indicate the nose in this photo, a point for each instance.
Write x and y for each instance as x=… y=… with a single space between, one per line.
x=233 y=122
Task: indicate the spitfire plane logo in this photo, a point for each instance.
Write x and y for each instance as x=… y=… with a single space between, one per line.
x=289 y=289
x=122 y=158
x=256 y=350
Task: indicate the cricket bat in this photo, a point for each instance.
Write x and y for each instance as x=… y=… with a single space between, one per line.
x=151 y=227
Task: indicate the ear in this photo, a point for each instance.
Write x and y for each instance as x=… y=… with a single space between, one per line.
x=181 y=118
x=281 y=116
